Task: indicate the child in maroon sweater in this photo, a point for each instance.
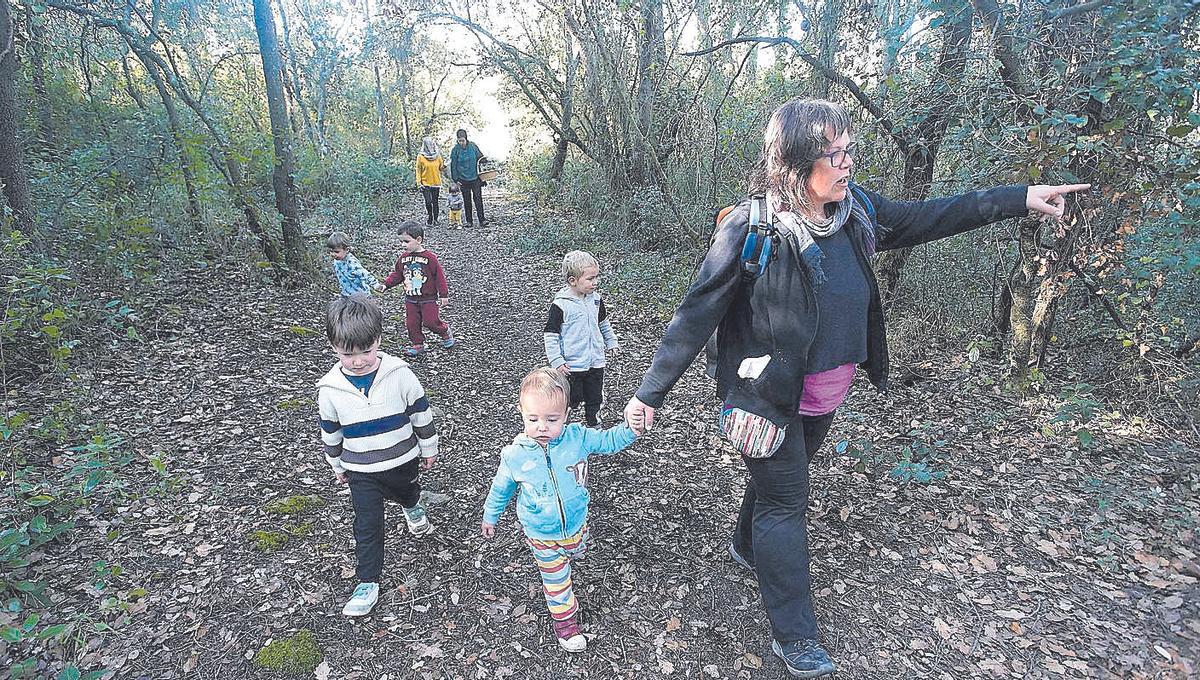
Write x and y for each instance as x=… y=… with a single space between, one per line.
x=425 y=288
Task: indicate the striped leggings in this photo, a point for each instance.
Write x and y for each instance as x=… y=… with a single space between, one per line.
x=554 y=563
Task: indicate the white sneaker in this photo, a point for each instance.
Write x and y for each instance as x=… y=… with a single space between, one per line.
x=417 y=521
x=363 y=600
x=575 y=643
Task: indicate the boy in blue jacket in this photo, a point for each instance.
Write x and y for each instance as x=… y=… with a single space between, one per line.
x=548 y=464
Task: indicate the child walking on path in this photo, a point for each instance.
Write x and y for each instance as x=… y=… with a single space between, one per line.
x=425 y=288
x=352 y=277
x=454 y=204
x=578 y=333
x=548 y=464
x=376 y=424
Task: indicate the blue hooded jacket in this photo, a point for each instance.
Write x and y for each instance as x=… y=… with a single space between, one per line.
x=553 y=499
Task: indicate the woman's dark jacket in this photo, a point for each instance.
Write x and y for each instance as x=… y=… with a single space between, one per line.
x=777 y=314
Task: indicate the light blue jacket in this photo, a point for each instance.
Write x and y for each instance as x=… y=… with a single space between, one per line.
x=577 y=332
x=553 y=499
x=353 y=277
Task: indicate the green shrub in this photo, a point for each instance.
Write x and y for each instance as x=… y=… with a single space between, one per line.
x=296 y=655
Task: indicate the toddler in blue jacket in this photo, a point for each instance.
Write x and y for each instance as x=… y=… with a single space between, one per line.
x=547 y=464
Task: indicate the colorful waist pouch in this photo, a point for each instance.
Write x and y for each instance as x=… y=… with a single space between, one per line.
x=751 y=435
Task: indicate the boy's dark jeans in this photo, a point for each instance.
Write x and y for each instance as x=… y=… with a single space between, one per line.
x=587 y=388
x=472 y=190
x=368 y=492
x=772 y=529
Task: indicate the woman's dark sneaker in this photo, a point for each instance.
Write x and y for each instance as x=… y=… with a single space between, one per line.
x=803 y=658
x=737 y=557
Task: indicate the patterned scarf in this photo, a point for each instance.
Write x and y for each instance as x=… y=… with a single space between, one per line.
x=805 y=231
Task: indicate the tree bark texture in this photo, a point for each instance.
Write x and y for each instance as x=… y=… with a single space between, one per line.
x=651 y=55
x=37 y=73
x=566 y=106
x=12 y=158
x=283 y=173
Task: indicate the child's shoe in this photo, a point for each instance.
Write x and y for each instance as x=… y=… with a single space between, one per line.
x=569 y=637
x=415 y=350
x=449 y=342
x=417 y=521
x=363 y=600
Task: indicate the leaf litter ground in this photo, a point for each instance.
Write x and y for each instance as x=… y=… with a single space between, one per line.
x=1027 y=559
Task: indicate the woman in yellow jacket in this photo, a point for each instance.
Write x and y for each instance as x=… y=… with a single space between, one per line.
x=430 y=167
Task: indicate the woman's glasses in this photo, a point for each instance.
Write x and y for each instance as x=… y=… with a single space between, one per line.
x=838 y=158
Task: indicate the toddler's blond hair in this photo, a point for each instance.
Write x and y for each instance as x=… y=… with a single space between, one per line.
x=576 y=262
x=547 y=383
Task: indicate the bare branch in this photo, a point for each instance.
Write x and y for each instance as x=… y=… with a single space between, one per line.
x=833 y=76
x=1077 y=9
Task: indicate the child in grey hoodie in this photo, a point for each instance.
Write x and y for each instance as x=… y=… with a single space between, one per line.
x=578 y=333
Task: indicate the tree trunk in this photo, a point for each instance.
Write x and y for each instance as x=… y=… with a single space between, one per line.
x=568 y=107
x=926 y=141
x=651 y=55
x=37 y=72
x=827 y=45
x=12 y=158
x=296 y=90
x=1021 y=283
x=283 y=173
x=185 y=165
x=381 y=109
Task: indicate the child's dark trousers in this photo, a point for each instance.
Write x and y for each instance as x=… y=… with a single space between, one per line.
x=368 y=493
x=587 y=388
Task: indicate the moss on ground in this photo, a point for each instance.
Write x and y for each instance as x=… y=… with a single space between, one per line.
x=301 y=529
x=269 y=541
x=293 y=505
x=296 y=655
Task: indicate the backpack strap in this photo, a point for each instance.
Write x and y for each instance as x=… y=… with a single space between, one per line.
x=864 y=201
x=761 y=239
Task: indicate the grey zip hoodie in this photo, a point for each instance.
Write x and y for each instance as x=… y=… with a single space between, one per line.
x=577 y=331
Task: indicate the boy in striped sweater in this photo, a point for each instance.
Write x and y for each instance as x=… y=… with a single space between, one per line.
x=377 y=428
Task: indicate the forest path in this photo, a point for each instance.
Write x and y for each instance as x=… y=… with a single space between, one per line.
x=1026 y=560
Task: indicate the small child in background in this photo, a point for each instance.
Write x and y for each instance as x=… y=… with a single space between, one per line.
x=454 y=204
x=376 y=424
x=425 y=288
x=578 y=333
x=546 y=467
x=351 y=276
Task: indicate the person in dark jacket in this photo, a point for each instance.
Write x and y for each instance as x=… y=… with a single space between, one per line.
x=464 y=169
x=789 y=341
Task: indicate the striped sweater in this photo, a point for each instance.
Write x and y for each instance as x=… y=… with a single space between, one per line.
x=388 y=428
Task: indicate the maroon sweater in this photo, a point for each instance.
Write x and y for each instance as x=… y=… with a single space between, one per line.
x=422 y=276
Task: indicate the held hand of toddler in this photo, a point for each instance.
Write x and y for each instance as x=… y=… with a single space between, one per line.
x=341 y=477
x=442 y=302
x=428 y=463
x=564 y=369
x=379 y=288
x=488 y=530
x=638 y=416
